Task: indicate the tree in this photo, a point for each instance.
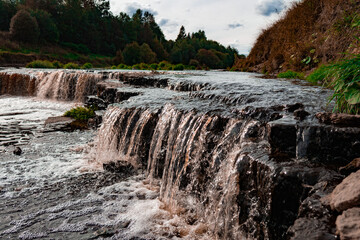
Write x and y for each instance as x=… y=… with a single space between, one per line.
x=182 y=34
x=147 y=55
x=7 y=10
x=208 y=58
x=132 y=53
x=48 y=29
x=24 y=27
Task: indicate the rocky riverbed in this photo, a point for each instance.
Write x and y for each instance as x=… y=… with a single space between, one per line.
x=194 y=155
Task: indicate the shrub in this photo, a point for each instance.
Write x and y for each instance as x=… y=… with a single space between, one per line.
x=122 y=66
x=57 y=64
x=136 y=67
x=291 y=75
x=154 y=66
x=87 y=66
x=164 y=65
x=179 y=67
x=71 y=65
x=80 y=113
x=132 y=53
x=40 y=64
x=24 y=27
x=144 y=66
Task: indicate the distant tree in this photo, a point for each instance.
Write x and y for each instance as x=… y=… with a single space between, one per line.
x=182 y=34
x=119 y=57
x=7 y=11
x=208 y=58
x=147 y=55
x=24 y=27
x=48 y=29
x=199 y=35
x=132 y=54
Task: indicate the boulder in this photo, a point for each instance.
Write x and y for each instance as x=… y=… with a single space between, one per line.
x=347 y=194
x=348 y=224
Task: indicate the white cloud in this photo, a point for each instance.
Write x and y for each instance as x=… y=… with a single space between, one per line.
x=230 y=22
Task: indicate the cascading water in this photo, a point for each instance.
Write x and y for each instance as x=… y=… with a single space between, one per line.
x=217 y=155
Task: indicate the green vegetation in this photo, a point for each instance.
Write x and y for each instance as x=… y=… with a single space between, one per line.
x=87 y=66
x=319 y=74
x=85 y=31
x=344 y=78
x=291 y=75
x=40 y=64
x=80 y=113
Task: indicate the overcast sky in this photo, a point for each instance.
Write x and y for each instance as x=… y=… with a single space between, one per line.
x=230 y=22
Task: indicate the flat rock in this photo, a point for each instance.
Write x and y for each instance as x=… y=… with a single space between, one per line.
x=348 y=224
x=60 y=119
x=339 y=119
x=347 y=194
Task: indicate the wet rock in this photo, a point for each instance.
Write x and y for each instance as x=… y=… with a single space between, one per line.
x=353 y=166
x=17 y=151
x=348 y=224
x=118 y=167
x=105 y=232
x=301 y=114
x=95 y=102
x=282 y=138
x=293 y=107
x=310 y=229
x=340 y=119
x=347 y=194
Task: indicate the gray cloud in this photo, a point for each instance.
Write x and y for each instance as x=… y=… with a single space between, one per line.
x=235 y=25
x=268 y=7
x=132 y=7
x=167 y=23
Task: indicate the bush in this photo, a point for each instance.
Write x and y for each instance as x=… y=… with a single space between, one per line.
x=40 y=64
x=154 y=66
x=291 y=75
x=24 y=27
x=179 y=67
x=71 y=65
x=57 y=64
x=80 y=113
x=87 y=66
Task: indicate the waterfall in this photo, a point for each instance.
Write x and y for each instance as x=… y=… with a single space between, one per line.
x=57 y=85
x=198 y=158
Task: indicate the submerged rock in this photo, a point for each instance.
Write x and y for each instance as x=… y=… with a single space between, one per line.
x=17 y=151
x=348 y=224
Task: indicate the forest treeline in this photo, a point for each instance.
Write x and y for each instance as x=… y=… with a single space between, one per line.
x=89 y=27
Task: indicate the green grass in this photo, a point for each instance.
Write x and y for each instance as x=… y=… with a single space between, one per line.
x=80 y=113
x=291 y=75
x=319 y=74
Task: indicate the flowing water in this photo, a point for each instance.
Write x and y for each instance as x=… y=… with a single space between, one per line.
x=210 y=154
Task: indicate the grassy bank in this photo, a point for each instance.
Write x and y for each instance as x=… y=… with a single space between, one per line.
x=343 y=77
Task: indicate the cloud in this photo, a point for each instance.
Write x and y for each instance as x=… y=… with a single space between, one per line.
x=132 y=7
x=268 y=7
x=167 y=23
x=235 y=25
